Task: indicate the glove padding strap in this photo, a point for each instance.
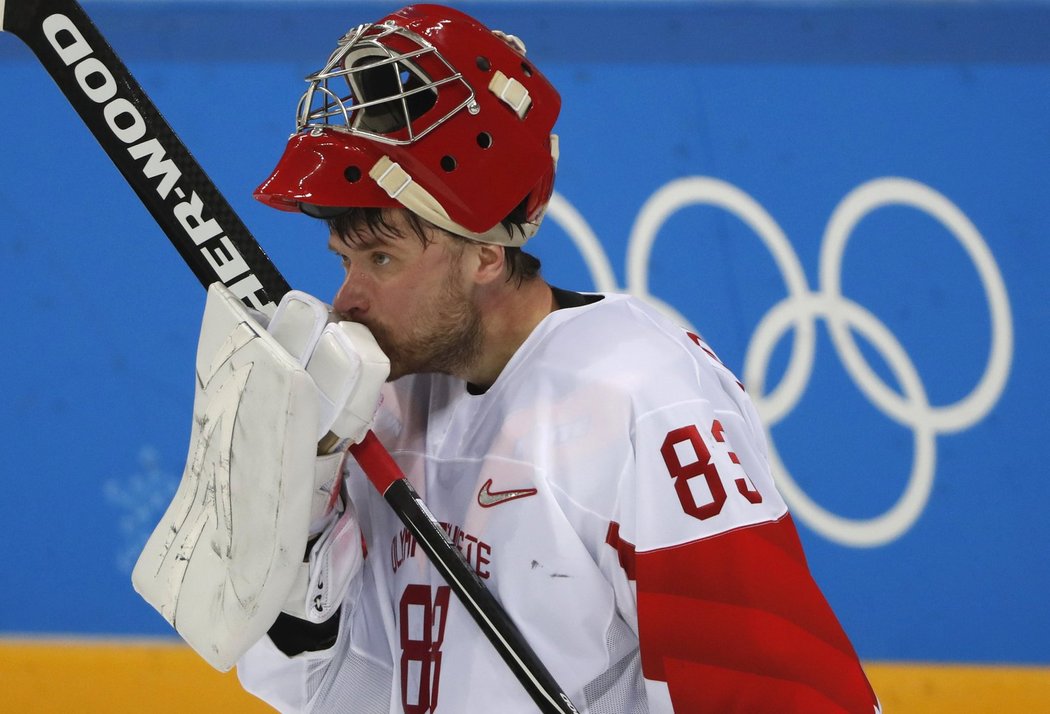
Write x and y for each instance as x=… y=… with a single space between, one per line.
x=336 y=554
x=229 y=550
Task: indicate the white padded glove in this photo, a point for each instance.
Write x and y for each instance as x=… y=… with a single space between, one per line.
x=228 y=552
x=342 y=358
x=348 y=366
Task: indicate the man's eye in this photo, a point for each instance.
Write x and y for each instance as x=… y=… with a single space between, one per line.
x=380 y=258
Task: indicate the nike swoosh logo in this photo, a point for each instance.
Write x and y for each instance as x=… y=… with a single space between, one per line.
x=487 y=498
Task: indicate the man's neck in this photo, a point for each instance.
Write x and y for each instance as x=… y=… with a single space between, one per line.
x=509 y=314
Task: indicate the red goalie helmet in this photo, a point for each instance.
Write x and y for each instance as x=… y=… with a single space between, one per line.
x=429 y=110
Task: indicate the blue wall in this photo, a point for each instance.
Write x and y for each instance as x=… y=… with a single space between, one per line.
x=848 y=200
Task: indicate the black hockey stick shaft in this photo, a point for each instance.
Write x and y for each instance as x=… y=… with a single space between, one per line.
x=461 y=577
x=217 y=246
x=197 y=219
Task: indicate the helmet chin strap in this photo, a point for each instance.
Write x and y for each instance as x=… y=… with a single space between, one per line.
x=398 y=184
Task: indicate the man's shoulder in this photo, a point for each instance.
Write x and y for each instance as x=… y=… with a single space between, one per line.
x=617 y=340
x=617 y=324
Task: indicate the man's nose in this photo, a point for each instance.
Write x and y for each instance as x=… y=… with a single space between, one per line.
x=350 y=301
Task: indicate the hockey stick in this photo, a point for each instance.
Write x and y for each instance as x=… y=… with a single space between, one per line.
x=217 y=246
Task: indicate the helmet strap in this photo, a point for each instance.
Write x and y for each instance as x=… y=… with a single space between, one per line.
x=511 y=92
x=398 y=184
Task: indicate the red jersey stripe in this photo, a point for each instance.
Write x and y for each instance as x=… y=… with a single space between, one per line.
x=739 y=606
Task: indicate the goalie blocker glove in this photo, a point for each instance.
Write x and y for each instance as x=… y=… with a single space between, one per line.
x=228 y=555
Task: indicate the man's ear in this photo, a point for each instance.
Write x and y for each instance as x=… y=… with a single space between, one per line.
x=490 y=262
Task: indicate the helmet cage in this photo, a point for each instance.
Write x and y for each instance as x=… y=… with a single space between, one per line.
x=374 y=85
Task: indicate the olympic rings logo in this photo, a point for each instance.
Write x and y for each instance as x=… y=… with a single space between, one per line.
x=800 y=310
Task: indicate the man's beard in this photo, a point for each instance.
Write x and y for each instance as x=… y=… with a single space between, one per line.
x=445 y=337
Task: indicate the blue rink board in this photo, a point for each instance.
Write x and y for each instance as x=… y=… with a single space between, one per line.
x=783 y=113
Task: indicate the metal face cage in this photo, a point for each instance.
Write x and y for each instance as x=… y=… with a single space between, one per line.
x=372 y=89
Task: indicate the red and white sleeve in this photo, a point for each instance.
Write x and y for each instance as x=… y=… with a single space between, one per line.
x=729 y=615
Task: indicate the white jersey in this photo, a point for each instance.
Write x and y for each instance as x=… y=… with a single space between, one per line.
x=613 y=491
